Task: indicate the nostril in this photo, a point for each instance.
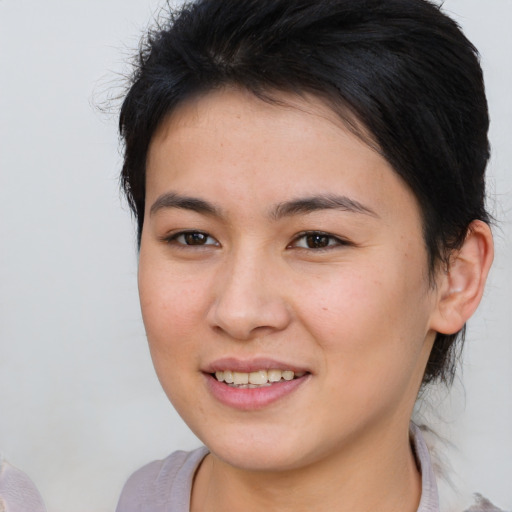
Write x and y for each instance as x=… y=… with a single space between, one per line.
x=246 y=307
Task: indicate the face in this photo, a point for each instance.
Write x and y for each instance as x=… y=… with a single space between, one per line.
x=283 y=281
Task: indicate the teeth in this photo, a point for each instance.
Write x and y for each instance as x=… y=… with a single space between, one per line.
x=256 y=379
x=240 y=378
x=287 y=375
x=274 y=375
x=259 y=377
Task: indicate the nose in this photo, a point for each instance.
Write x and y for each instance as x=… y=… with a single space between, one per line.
x=249 y=299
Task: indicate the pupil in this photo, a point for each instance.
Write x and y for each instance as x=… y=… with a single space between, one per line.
x=195 y=238
x=317 y=241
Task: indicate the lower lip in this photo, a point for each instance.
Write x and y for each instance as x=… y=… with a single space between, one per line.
x=252 y=398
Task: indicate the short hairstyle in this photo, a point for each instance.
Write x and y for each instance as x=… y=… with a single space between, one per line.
x=399 y=73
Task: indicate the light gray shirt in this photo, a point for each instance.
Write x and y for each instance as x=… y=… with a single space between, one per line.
x=165 y=485
x=17 y=492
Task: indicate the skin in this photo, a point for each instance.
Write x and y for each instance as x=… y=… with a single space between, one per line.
x=358 y=315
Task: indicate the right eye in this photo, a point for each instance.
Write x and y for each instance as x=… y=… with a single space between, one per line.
x=192 y=238
x=318 y=241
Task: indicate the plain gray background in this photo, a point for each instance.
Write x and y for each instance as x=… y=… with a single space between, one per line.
x=80 y=407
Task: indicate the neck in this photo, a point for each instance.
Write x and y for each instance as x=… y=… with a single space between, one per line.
x=378 y=472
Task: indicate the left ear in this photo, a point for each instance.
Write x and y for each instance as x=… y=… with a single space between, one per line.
x=461 y=286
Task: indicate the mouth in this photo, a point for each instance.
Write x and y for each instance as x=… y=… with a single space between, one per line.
x=255 y=384
x=256 y=379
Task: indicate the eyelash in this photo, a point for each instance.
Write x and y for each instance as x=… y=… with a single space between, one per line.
x=321 y=235
x=174 y=239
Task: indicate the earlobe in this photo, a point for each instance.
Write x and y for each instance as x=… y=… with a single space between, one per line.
x=461 y=287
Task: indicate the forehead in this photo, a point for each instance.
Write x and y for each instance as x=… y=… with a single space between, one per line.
x=231 y=144
x=199 y=109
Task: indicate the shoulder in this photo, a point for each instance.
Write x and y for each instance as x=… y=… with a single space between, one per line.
x=427 y=447
x=483 y=505
x=17 y=492
x=157 y=484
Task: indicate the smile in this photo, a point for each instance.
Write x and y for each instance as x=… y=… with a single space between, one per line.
x=256 y=379
x=253 y=385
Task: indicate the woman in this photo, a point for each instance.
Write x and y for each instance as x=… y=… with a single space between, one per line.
x=308 y=180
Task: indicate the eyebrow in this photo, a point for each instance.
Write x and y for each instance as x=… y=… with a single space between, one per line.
x=298 y=206
x=174 y=200
x=320 y=202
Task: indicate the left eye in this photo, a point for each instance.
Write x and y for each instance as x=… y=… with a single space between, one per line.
x=196 y=238
x=316 y=240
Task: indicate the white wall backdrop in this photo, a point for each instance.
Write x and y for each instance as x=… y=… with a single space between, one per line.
x=80 y=407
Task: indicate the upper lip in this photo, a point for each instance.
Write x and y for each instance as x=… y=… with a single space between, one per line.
x=250 y=365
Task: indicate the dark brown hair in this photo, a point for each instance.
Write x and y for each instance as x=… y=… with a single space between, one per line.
x=402 y=69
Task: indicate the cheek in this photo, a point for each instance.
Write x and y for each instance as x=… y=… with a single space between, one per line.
x=372 y=319
x=170 y=308
x=344 y=304
x=371 y=339
x=170 y=304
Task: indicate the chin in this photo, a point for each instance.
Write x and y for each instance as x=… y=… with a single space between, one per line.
x=261 y=450
x=258 y=458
